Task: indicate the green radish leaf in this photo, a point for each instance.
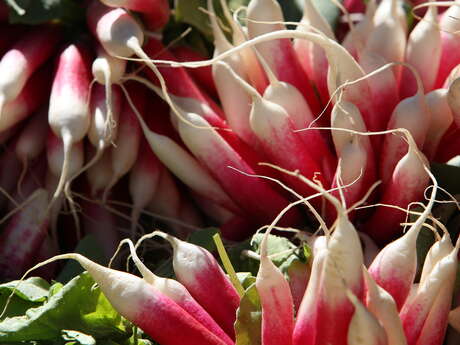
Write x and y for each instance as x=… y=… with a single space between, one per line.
x=33 y=289
x=43 y=11
x=78 y=306
x=279 y=248
x=77 y=337
x=246 y=279
x=248 y=323
x=29 y=294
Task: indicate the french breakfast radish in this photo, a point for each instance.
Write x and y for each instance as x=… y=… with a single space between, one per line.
x=134 y=298
x=23 y=59
x=197 y=269
x=68 y=113
x=279 y=54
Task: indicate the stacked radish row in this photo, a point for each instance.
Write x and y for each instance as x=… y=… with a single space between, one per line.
x=339 y=301
x=258 y=100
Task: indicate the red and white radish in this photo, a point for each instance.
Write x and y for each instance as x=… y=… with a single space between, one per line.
x=68 y=113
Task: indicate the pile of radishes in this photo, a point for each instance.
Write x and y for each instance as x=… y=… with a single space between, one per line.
x=99 y=130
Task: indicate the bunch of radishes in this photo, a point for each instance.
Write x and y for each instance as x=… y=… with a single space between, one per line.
x=337 y=301
x=257 y=101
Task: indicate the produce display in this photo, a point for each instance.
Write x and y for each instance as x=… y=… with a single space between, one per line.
x=319 y=139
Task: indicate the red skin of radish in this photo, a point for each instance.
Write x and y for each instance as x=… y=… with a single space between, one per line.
x=406 y=185
x=29 y=100
x=450 y=43
x=32 y=139
x=202 y=75
x=355 y=6
x=154 y=12
x=299 y=274
x=144 y=305
x=23 y=236
x=179 y=82
x=197 y=270
x=280 y=54
x=34 y=48
x=257 y=198
x=277 y=305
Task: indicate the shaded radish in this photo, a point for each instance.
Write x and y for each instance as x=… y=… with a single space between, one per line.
x=144 y=179
x=23 y=59
x=23 y=236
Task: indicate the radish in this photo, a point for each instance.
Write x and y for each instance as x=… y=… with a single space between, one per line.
x=68 y=113
x=424 y=43
x=31 y=141
x=406 y=185
x=441 y=119
x=397 y=279
x=355 y=40
x=32 y=96
x=384 y=91
x=179 y=294
x=23 y=59
x=134 y=298
x=279 y=54
x=276 y=301
x=100 y=173
x=107 y=71
x=124 y=152
x=194 y=265
x=24 y=235
x=448 y=25
x=235 y=101
x=288 y=97
x=391 y=7
x=202 y=75
x=311 y=57
x=412 y=114
x=144 y=178
x=380 y=303
x=425 y=313
x=389 y=28
x=253 y=70
x=183 y=164
x=274 y=129
x=257 y=198
x=325 y=312
x=154 y=12
x=364 y=327
x=438 y=250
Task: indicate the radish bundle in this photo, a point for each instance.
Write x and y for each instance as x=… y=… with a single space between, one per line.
x=143 y=130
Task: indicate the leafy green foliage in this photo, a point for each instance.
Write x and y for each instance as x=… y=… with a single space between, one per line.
x=77 y=306
x=249 y=318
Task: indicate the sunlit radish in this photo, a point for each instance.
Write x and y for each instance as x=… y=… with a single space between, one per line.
x=68 y=113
